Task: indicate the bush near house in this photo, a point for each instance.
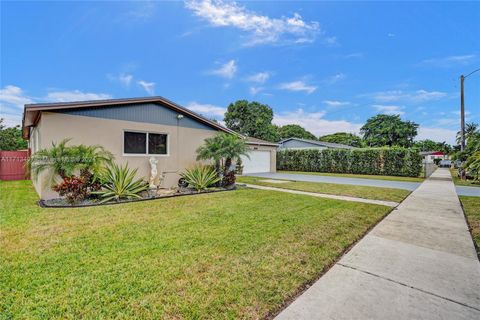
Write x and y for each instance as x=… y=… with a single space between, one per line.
x=375 y=161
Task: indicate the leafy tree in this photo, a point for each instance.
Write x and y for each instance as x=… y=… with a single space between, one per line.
x=389 y=130
x=252 y=119
x=471 y=129
x=11 y=138
x=295 y=131
x=349 y=139
x=430 y=145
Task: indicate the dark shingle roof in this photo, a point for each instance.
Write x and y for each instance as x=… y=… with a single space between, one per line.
x=321 y=143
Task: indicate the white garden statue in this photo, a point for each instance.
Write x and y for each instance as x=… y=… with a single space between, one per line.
x=153 y=172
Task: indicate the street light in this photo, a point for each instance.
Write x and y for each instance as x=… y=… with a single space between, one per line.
x=462 y=110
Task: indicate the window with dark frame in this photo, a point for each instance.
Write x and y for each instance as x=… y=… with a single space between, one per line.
x=157 y=143
x=144 y=143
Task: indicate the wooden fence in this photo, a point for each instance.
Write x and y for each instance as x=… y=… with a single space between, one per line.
x=12 y=165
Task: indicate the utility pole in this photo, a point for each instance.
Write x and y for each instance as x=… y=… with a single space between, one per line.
x=462 y=114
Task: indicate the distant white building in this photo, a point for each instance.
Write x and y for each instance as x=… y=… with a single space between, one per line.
x=429 y=156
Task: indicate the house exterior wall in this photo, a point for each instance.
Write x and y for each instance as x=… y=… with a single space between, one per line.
x=183 y=140
x=296 y=144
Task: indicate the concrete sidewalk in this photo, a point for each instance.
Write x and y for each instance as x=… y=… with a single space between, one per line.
x=418 y=263
x=328 y=196
x=461 y=190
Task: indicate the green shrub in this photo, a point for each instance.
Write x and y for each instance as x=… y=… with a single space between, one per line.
x=200 y=177
x=118 y=183
x=375 y=161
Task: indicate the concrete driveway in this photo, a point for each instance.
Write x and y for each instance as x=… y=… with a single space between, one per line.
x=461 y=190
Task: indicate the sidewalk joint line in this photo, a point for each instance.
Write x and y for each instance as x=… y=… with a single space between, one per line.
x=408 y=286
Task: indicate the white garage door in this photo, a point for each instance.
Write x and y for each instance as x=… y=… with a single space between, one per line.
x=259 y=162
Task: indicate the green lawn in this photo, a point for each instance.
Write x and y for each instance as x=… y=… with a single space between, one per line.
x=460 y=182
x=237 y=254
x=361 y=176
x=366 y=192
x=471 y=206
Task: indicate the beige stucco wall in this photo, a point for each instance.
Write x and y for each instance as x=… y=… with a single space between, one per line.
x=182 y=143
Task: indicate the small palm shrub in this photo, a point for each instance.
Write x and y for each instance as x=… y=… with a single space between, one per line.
x=223 y=148
x=200 y=177
x=65 y=161
x=118 y=182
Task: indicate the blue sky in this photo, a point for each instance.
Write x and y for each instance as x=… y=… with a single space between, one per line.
x=327 y=66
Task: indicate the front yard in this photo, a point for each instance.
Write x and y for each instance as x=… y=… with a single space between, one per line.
x=366 y=192
x=471 y=207
x=460 y=182
x=238 y=254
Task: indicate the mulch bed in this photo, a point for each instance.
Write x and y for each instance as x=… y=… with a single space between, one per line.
x=61 y=203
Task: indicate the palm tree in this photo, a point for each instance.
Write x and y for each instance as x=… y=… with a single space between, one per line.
x=55 y=161
x=470 y=130
x=62 y=160
x=222 y=148
x=92 y=159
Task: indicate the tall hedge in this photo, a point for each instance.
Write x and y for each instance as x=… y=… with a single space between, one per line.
x=375 y=161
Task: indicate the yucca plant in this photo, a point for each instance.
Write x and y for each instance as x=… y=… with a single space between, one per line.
x=200 y=177
x=118 y=183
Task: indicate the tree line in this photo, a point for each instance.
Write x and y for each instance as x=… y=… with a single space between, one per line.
x=254 y=119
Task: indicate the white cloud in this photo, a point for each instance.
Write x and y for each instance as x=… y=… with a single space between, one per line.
x=314 y=122
x=260 y=29
x=124 y=78
x=207 y=109
x=335 y=78
x=414 y=96
x=14 y=95
x=142 y=10
x=451 y=60
x=436 y=134
x=298 y=86
x=227 y=70
x=390 y=35
x=389 y=109
x=75 y=95
x=260 y=77
x=353 y=55
x=335 y=103
x=13 y=99
x=149 y=87
x=255 y=90
x=331 y=41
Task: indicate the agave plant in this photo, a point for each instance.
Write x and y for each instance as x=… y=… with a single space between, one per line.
x=200 y=177
x=118 y=183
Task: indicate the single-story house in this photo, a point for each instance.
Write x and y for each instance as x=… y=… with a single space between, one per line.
x=429 y=156
x=134 y=130
x=297 y=143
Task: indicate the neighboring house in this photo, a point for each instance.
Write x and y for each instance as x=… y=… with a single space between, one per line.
x=429 y=156
x=133 y=130
x=297 y=143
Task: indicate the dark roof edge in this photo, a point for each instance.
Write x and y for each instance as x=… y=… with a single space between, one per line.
x=111 y=102
x=318 y=142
